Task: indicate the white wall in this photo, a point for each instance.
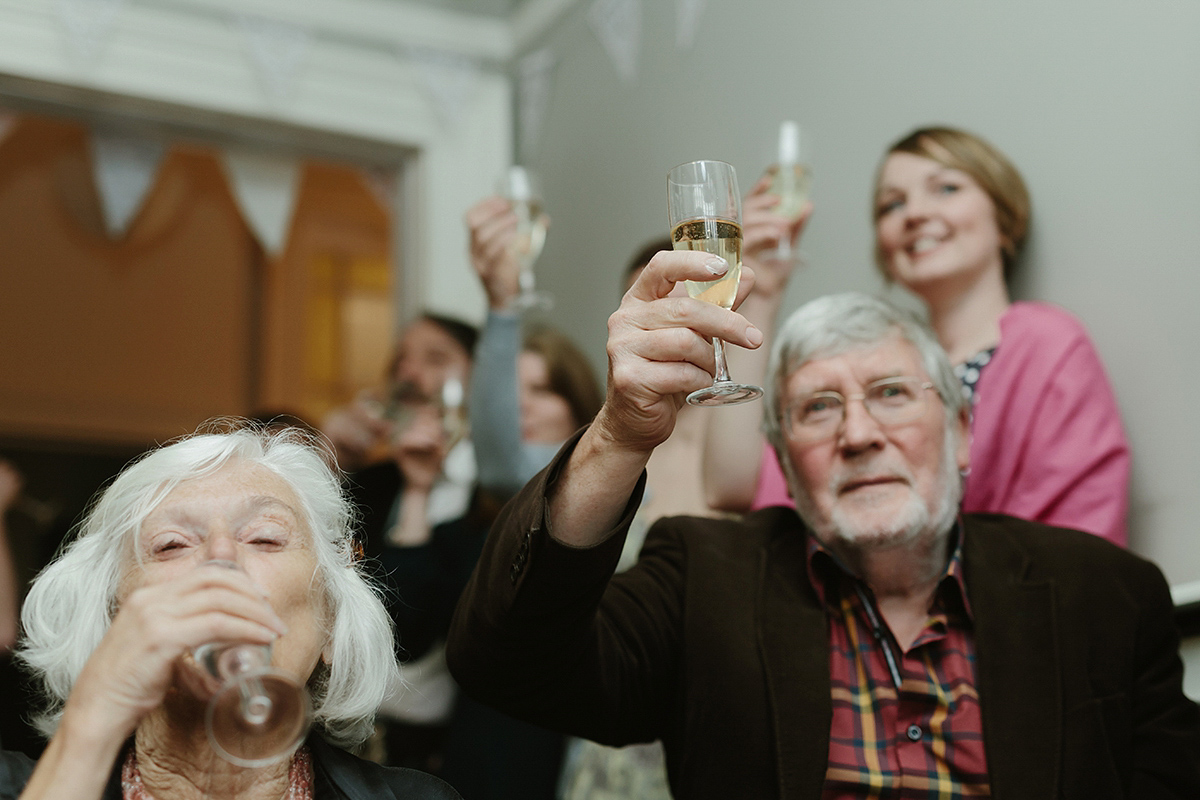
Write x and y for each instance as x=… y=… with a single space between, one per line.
x=1096 y=101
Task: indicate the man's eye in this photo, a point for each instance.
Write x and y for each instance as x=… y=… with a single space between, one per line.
x=818 y=408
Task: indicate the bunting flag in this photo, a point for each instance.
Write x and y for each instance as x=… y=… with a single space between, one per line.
x=687 y=20
x=265 y=187
x=89 y=25
x=535 y=74
x=618 y=25
x=278 y=50
x=383 y=183
x=450 y=81
x=123 y=168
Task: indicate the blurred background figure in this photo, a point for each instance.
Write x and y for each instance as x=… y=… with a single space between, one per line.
x=951 y=215
x=411 y=469
x=531 y=390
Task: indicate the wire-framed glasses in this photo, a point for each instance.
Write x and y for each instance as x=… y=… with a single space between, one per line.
x=890 y=401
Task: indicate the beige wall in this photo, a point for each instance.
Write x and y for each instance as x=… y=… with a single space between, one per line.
x=1097 y=102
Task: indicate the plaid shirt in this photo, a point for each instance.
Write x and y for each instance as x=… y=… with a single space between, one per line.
x=906 y=724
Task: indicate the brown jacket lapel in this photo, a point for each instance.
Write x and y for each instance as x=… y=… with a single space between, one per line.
x=793 y=646
x=1018 y=665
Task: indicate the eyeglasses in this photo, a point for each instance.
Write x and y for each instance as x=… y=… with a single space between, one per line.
x=890 y=401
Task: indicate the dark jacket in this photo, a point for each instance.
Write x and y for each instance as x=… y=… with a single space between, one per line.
x=716 y=643
x=338 y=776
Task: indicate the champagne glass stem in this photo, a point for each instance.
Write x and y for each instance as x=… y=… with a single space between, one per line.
x=256 y=705
x=525 y=280
x=722 y=375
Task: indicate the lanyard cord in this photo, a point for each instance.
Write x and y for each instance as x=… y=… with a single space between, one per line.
x=880 y=635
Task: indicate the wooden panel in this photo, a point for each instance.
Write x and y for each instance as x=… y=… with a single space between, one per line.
x=131 y=341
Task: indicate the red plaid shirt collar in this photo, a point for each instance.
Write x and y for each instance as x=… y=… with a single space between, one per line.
x=824 y=567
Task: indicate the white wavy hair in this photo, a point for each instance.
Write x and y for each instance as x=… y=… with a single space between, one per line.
x=73 y=601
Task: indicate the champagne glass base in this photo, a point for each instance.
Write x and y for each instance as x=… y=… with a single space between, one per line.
x=532 y=301
x=261 y=726
x=724 y=393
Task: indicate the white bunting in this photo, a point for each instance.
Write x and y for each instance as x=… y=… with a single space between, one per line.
x=450 y=81
x=124 y=168
x=89 y=24
x=618 y=25
x=383 y=183
x=265 y=187
x=278 y=50
x=535 y=75
x=687 y=20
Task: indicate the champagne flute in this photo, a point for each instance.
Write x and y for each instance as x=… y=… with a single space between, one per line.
x=520 y=187
x=790 y=182
x=259 y=714
x=705 y=209
x=454 y=411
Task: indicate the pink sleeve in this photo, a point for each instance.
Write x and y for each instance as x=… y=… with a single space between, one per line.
x=772 y=486
x=1048 y=443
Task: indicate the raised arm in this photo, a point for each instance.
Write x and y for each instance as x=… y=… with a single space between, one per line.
x=659 y=350
x=733 y=442
x=528 y=635
x=505 y=464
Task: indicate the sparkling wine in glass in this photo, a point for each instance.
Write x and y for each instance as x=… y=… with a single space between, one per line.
x=705 y=210
x=259 y=714
x=520 y=187
x=790 y=181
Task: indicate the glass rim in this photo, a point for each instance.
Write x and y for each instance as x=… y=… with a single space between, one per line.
x=699 y=161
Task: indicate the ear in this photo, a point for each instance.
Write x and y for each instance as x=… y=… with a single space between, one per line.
x=962 y=454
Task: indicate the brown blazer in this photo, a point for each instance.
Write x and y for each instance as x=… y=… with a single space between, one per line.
x=715 y=643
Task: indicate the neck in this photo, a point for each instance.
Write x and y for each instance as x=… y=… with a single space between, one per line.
x=967 y=319
x=904 y=579
x=176 y=762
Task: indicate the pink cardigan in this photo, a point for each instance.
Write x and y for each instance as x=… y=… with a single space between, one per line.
x=1047 y=442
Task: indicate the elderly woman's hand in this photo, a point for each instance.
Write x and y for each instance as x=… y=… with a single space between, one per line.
x=151 y=638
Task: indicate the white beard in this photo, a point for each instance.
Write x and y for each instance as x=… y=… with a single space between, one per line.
x=915 y=520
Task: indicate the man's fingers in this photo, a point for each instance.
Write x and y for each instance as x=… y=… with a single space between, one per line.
x=670 y=267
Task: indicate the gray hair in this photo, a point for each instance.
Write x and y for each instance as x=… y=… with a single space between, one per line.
x=73 y=601
x=836 y=323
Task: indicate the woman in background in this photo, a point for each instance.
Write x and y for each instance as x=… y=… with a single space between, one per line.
x=951 y=215
x=528 y=394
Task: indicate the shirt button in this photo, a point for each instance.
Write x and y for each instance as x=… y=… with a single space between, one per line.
x=914 y=733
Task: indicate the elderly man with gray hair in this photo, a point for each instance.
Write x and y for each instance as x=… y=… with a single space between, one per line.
x=878 y=645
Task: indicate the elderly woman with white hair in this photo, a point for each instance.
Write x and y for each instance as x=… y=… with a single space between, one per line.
x=112 y=626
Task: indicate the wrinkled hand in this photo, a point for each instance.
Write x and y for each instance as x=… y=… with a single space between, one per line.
x=420 y=449
x=493 y=229
x=130 y=671
x=660 y=348
x=355 y=430
x=10 y=485
x=762 y=232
